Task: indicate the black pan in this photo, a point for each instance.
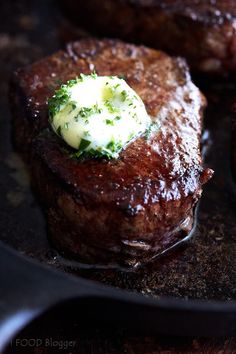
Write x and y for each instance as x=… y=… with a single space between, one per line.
x=29 y=289
x=190 y=291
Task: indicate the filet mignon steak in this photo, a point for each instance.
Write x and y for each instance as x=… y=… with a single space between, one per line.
x=128 y=209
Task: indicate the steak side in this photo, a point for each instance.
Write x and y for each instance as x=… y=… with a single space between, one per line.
x=128 y=209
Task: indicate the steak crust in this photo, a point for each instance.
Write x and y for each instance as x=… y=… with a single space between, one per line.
x=202 y=31
x=128 y=209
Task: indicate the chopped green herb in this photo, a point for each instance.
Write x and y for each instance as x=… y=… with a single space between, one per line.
x=85 y=112
x=59 y=99
x=116 y=86
x=109 y=122
x=111 y=145
x=97 y=109
x=82 y=77
x=124 y=95
x=114 y=146
x=94 y=74
x=66 y=125
x=73 y=106
x=117 y=117
x=130 y=136
x=83 y=145
x=92 y=153
x=76 y=118
x=111 y=108
x=72 y=82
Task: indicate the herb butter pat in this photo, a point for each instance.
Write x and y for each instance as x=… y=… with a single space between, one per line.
x=98 y=115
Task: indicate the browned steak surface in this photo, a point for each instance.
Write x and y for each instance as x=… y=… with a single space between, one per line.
x=124 y=209
x=203 y=31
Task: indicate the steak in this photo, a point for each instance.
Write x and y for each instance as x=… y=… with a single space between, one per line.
x=123 y=210
x=203 y=31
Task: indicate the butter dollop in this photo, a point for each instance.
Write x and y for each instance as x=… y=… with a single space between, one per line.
x=98 y=115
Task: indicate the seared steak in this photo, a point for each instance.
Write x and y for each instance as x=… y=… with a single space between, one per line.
x=203 y=31
x=127 y=209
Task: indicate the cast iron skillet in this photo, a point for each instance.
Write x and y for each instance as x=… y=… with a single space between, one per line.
x=190 y=292
x=28 y=289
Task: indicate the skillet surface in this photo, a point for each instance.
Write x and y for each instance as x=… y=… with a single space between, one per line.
x=203 y=269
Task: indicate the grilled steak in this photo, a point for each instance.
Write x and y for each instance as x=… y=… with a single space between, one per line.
x=203 y=31
x=127 y=209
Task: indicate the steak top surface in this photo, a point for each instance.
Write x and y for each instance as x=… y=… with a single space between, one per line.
x=166 y=167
